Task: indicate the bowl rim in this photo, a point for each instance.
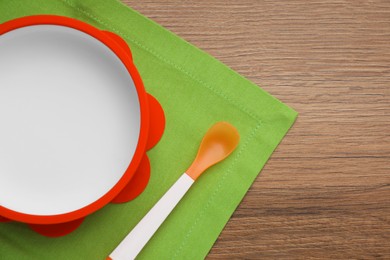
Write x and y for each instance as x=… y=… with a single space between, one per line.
x=126 y=59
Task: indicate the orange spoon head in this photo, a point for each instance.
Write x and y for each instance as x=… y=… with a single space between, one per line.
x=218 y=143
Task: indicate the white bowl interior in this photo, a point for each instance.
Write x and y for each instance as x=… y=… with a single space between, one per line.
x=69 y=119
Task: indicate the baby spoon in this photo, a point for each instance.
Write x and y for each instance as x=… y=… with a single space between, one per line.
x=219 y=141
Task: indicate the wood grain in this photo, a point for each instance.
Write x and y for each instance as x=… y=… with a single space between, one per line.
x=325 y=193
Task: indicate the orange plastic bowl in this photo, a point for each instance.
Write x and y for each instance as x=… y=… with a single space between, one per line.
x=77 y=122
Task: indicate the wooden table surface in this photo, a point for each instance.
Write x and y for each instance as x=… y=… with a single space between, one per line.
x=325 y=192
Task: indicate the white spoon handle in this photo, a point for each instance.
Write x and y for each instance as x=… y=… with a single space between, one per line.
x=133 y=243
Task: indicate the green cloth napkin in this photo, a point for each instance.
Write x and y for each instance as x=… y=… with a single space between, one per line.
x=195 y=91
